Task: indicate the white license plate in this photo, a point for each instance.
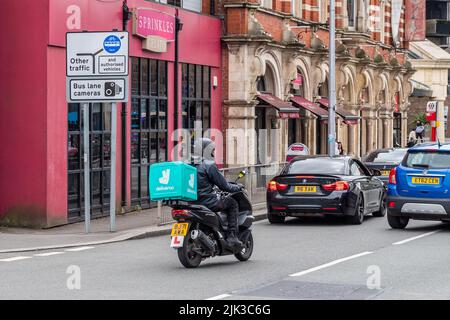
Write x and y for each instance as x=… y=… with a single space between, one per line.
x=177 y=242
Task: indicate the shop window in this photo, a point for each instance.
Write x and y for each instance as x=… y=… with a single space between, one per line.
x=148 y=124
x=100 y=160
x=196 y=102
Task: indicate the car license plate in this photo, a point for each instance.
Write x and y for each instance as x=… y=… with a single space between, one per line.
x=180 y=229
x=305 y=189
x=385 y=172
x=425 y=180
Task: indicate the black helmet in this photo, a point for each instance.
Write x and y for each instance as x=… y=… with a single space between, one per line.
x=204 y=149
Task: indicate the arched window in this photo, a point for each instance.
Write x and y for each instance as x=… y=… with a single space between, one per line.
x=323 y=89
x=298 y=85
x=261 y=84
x=365 y=97
x=266 y=83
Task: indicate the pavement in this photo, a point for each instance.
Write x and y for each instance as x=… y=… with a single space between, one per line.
x=301 y=259
x=134 y=225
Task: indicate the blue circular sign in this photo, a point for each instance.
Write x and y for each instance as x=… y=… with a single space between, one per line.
x=112 y=44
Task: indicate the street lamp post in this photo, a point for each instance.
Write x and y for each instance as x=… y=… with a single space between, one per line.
x=332 y=83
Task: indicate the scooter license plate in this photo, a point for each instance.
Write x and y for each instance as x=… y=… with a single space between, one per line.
x=180 y=229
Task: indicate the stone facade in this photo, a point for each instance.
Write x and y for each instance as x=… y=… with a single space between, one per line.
x=431 y=64
x=275 y=45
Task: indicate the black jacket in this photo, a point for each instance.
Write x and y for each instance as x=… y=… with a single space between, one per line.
x=208 y=176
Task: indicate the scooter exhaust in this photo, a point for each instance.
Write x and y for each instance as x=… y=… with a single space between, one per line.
x=204 y=240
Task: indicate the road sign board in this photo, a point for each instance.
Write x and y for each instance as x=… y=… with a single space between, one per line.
x=97 y=90
x=93 y=54
x=432 y=106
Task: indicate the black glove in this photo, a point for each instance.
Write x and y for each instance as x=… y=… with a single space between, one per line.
x=241 y=186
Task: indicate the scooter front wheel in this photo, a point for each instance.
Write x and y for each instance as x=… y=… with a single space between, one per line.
x=247 y=251
x=186 y=255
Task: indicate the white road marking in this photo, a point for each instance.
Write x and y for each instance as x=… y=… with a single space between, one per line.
x=48 y=254
x=220 y=297
x=14 y=259
x=79 y=249
x=329 y=264
x=415 y=238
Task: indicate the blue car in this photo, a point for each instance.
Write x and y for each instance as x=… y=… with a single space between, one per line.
x=419 y=188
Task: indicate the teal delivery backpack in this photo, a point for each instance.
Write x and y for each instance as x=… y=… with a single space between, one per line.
x=173 y=181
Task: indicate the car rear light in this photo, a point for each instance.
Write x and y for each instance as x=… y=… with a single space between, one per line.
x=391 y=204
x=275 y=186
x=278 y=208
x=330 y=209
x=392 y=178
x=178 y=213
x=337 y=186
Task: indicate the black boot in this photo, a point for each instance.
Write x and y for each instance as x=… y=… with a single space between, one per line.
x=233 y=240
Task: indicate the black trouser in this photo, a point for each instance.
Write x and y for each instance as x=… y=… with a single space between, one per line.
x=230 y=207
x=419 y=136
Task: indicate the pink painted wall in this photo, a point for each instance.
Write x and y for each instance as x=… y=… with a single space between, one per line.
x=23 y=117
x=33 y=108
x=56 y=135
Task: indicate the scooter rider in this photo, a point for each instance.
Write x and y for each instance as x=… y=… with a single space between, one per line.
x=208 y=176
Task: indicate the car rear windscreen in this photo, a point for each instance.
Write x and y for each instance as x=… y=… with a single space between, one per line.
x=430 y=160
x=317 y=166
x=386 y=156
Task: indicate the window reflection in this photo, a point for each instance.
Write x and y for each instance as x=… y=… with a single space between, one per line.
x=148 y=125
x=100 y=159
x=196 y=102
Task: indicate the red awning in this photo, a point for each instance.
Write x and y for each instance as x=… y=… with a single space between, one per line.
x=310 y=106
x=349 y=118
x=285 y=109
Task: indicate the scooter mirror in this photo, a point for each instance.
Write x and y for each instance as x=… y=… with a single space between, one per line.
x=242 y=174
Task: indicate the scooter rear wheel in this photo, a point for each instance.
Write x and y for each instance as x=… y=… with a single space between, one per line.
x=187 y=256
x=247 y=251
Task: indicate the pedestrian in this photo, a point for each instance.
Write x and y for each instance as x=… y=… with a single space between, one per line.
x=419 y=131
x=412 y=138
x=340 y=148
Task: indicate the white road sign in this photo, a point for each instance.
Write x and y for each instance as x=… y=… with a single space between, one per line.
x=432 y=106
x=92 y=54
x=97 y=90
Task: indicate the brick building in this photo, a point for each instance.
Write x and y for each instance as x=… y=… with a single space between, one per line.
x=275 y=59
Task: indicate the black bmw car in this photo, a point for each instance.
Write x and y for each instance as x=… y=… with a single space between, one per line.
x=323 y=185
x=385 y=160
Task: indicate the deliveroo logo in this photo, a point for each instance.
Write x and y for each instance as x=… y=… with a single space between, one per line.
x=191 y=181
x=165 y=177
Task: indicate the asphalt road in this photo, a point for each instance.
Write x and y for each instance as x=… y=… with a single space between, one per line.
x=302 y=259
